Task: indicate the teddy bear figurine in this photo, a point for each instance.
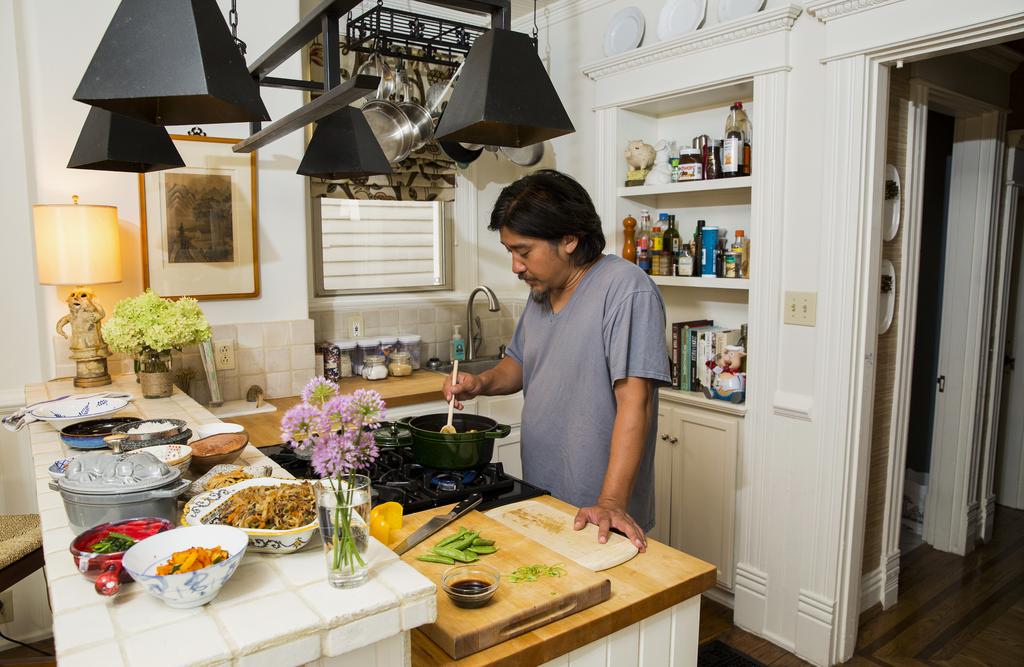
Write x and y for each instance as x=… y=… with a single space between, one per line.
x=730 y=381
x=639 y=158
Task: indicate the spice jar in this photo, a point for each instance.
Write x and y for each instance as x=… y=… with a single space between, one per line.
x=411 y=343
x=388 y=344
x=365 y=347
x=330 y=354
x=400 y=364
x=346 y=348
x=374 y=368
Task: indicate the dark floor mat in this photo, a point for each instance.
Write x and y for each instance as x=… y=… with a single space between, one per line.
x=717 y=654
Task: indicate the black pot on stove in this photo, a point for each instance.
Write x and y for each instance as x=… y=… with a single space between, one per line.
x=472 y=446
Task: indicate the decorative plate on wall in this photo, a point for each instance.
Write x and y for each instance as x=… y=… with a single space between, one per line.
x=625 y=31
x=729 y=10
x=887 y=300
x=891 y=207
x=679 y=17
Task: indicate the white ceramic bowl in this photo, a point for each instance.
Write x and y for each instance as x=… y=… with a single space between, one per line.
x=206 y=430
x=191 y=589
x=73 y=410
x=262 y=541
x=175 y=456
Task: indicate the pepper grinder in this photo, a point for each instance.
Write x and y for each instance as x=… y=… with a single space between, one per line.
x=629 y=245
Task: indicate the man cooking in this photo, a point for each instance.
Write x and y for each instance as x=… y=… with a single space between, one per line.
x=589 y=353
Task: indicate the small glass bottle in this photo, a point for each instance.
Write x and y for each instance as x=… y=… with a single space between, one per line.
x=684 y=264
x=374 y=368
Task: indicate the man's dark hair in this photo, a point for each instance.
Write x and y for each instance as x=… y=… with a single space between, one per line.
x=550 y=205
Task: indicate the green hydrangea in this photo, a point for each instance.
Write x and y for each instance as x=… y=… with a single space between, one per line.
x=148 y=322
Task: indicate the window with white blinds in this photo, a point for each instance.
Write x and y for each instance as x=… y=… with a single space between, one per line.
x=365 y=246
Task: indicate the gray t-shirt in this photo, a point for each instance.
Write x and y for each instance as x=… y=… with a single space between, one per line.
x=613 y=327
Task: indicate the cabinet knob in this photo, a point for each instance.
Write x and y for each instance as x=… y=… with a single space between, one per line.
x=664 y=437
x=673 y=440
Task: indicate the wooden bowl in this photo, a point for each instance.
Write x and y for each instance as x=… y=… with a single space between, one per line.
x=216 y=449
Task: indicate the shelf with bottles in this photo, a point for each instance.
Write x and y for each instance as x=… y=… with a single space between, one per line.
x=685 y=187
x=699 y=400
x=702 y=283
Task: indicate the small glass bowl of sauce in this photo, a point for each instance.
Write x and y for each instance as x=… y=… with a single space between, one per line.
x=472 y=585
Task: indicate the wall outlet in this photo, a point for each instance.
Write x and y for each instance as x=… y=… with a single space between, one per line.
x=355 y=325
x=801 y=308
x=6 y=607
x=224 y=353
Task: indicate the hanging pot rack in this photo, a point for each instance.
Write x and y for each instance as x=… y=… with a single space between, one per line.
x=403 y=34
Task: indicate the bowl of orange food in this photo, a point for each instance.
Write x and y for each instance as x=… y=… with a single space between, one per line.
x=186 y=567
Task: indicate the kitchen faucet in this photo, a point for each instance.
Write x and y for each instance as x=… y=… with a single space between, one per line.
x=492 y=305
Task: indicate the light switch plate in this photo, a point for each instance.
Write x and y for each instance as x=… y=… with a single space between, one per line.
x=224 y=354
x=801 y=308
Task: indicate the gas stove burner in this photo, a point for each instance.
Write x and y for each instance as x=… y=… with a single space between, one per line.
x=450 y=482
x=395 y=476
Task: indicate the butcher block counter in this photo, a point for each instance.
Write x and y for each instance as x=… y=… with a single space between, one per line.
x=420 y=387
x=651 y=617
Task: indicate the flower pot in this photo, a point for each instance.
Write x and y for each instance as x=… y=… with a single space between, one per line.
x=155 y=374
x=343 y=510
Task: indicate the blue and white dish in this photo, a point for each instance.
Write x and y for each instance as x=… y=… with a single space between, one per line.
x=198 y=509
x=59 y=467
x=89 y=434
x=191 y=589
x=71 y=410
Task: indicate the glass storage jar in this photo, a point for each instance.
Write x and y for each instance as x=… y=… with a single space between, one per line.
x=388 y=344
x=411 y=343
x=374 y=368
x=346 y=350
x=400 y=364
x=364 y=347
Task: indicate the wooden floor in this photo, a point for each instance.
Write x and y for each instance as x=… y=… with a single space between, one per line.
x=952 y=612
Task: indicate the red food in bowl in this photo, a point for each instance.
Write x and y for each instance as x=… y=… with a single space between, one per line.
x=105 y=568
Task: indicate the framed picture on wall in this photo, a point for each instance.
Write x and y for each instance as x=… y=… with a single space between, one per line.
x=198 y=223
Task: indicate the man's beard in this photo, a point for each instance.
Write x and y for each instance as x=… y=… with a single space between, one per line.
x=541 y=297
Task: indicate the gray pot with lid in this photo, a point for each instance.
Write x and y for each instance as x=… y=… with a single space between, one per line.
x=102 y=487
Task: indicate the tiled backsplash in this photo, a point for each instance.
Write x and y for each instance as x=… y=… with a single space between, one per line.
x=277 y=356
x=434 y=324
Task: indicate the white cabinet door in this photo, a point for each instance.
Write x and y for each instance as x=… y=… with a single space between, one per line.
x=505 y=410
x=663 y=475
x=703 y=494
x=507 y=451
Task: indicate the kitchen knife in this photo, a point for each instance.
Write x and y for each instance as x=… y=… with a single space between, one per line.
x=437 y=523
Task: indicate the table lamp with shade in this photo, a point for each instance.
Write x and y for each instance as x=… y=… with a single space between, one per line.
x=80 y=246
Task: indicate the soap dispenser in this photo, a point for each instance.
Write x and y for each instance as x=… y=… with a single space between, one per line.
x=458 y=344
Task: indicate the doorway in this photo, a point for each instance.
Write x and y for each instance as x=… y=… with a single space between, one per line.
x=938 y=164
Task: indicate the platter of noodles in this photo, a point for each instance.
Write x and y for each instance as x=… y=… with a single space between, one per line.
x=278 y=515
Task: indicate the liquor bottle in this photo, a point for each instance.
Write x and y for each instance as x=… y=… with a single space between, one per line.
x=672 y=243
x=698 y=245
x=643 y=243
x=629 y=244
x=736 y=146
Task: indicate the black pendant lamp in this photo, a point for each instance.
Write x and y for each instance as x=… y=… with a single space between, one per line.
x=112 y=142
x=171 y=62
x=504 y=96
x=343 y=146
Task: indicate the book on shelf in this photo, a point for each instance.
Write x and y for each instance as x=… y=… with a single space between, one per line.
x=696 y=345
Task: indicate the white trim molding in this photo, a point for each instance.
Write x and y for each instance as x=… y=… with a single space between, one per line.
x=762 y=23
x=750 y=598
x=828 y=10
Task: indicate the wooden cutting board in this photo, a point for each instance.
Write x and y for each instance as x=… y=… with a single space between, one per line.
x=553 y=528
x=516 y=608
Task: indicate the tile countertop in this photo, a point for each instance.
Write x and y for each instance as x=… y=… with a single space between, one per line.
x=275 y=610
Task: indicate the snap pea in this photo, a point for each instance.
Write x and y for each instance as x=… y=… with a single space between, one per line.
x=451 y=538
x=455 y=554
x=481 y=549
x=481 y=542
x=464 y=541
x=434 y=558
